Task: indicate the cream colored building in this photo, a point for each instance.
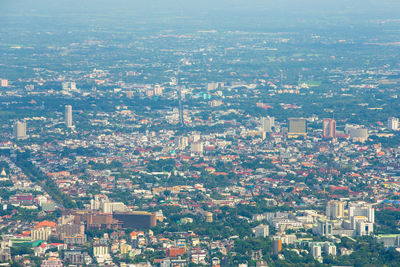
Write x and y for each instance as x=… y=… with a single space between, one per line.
x=335 y=209
x=125 y=248
x=100 y=250
x=41 y=233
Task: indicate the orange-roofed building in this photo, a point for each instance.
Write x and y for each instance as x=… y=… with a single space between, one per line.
x=175 y=252
x=133 y=235
x=46 y=224
x=26 y=233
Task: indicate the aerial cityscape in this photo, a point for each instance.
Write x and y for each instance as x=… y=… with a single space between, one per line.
x=199 y=133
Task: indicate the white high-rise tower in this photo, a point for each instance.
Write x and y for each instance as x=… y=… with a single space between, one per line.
x=20 y=130
x=68 y=116
x=393 y=123
x=267 y=123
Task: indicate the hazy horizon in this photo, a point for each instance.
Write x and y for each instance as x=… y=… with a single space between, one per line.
x=235 y=14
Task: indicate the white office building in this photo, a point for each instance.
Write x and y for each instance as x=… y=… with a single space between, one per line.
x=20 y=130
x=197 y=147
x=68 y=116
x=267 y=123
x=393 y=123
x=261 y=231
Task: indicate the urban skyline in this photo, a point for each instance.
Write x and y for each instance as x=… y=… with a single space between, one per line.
x=199 y=133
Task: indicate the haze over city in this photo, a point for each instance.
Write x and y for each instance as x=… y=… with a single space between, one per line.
x=199 y=133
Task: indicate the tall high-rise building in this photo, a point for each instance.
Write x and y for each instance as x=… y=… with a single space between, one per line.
x=297 y=126
x=316 y=251
x=357 y=133
x=329 y=128
x=197 y=147
x=3 y=82
x=393 y=123
x=195 y=137
x=277 y=245
x=20 y=130
x=68 y=116
x=261 y=230
x=267 y=123
x=69 y=86
x=362 y=209
x=180 y=108
x=158 y=90
x=183 y=142
x=335 y=209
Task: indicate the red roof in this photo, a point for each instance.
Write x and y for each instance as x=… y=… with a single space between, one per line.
x=220 y=173
x=340 y=188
